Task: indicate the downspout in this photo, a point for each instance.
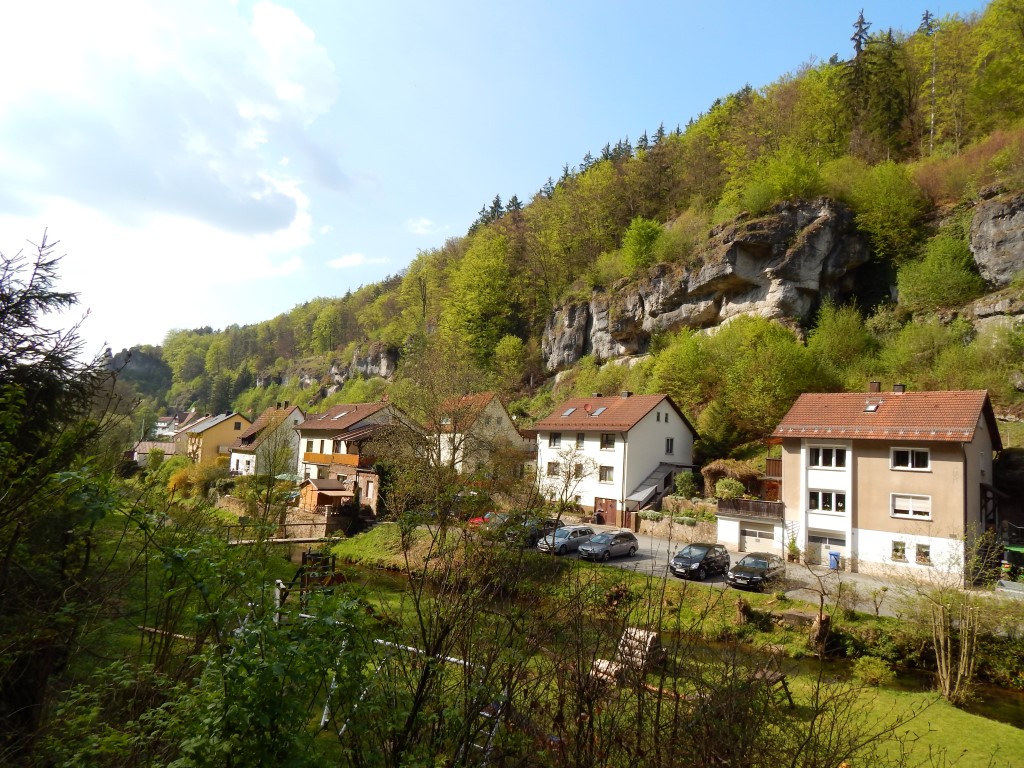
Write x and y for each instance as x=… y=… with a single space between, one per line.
x=625 y=465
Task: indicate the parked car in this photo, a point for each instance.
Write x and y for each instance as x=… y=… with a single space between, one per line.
x=698 y=561
x=491 y=518
x=527 y=532
x=609 y=544
x=568 y=538
x=756 y=571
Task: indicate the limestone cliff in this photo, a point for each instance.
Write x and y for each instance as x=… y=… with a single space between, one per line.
x=779 y=266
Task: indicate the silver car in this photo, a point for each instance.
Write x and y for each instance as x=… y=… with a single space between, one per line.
x=567 y=539
x=610 y=544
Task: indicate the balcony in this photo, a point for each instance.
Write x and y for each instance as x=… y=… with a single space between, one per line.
x=751 y=508
x=348 y=459
x=773 y=468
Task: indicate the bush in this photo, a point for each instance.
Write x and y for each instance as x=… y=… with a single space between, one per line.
x=889 y=206
x=729 y=488
x=638 y=243
x=686 y=485
x=652 y=515
x=870 y=670
x=945 y=277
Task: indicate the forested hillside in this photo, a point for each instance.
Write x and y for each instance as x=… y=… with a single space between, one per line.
x=910 y=132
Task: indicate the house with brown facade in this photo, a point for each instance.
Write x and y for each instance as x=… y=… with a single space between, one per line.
x=207 y=438
x=884 y=481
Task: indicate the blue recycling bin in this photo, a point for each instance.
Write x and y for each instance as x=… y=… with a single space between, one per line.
x=833 y=561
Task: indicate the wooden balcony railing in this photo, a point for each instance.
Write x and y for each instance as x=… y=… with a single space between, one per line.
x=349 y=459
x=769 y=510
x=773 y=468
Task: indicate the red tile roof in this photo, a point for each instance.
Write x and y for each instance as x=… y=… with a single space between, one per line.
x=338 y=418
x=620 y=414
x=930 y=416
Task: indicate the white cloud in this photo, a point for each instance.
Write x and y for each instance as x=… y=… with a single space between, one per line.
x=421 y=226
x=350 y=260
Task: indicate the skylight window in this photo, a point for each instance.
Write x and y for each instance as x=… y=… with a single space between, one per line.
x=568 y=412
x=598 y=411
x=870 y=407
x=343 y=413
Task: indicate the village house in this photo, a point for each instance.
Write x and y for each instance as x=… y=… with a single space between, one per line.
x=625 y=452
x=270 y=445
x=881 y=481
x=332 y=448
x=205 y=439
x=472 y=430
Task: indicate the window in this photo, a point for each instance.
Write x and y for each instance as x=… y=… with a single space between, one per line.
x=606 y=474
x=658 y=416
x=826 y=501
x=567 y=412
x=577 y=470
x=579 y=439
x=670 y=445
x=309 y=446
x=829 y=539
x=598 y=411
x=910 y=458
x=238 y=425
x=916 y=507
x=555 y=440
x=607 y=441
x=830 y=458
x=923 y=554
x=899 y=551
x=553 y=467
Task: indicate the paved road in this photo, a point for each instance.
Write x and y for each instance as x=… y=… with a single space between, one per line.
x=803 y=582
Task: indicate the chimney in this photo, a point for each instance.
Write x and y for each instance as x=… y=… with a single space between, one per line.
x=626 y=393
x=595 y=394
x=874 y=387
x=285 y=403
x=899 y=389
x=279 y=405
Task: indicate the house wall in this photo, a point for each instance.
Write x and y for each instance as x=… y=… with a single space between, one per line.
x=323 y=442
x=636 y=454
x=204 y=447
x=244 y=463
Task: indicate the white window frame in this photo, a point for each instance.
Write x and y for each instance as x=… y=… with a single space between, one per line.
x=910 y=514
x=910 y=451
x=554 y=440
x=553 y=468
x=581 y=439
x=607 y=447
x=834 y=497
x=923 y=554
x=901 y=555
x=670 y=446
x=606 y=474
x=819 y=452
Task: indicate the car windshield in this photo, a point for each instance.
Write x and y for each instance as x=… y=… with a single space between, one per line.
x=561 y=533
x=601 y=538
x=754 y=562
x=692 y=551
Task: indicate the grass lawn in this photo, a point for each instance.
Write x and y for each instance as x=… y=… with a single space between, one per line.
x=940 y=733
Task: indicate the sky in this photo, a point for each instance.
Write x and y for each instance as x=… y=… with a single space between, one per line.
x=218 y=162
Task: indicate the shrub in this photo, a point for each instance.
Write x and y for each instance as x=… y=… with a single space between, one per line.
x=945 y=277
x=686 y=485
x=889 y=206
x=870 y=670
x=652 y=515
x=638 y=243
x=729 y=488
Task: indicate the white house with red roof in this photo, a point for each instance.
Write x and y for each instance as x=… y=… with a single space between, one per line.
x=630 y=448
x=470 y=430
x=885 y=480
x=269 y=445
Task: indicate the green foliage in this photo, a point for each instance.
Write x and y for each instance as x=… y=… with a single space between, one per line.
x=729 y=488
x=870 y=670
x=509 y=363
x=889 y=206
x=840 y=341
x=638 y=243
x=686 y=485
x=945 y=277
x=790 y=173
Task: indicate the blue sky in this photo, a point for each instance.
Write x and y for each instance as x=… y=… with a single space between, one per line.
x=213 y=162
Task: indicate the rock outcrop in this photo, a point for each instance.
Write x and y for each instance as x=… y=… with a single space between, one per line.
x=997 y=238
x=779 y=266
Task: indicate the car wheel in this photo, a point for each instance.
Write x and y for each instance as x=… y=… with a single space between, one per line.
x=605 y=555
x=701 y=574
x=560 y=550
x=632 y=551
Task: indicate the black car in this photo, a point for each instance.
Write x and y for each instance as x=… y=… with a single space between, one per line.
x=698 y=561
x=756 y=571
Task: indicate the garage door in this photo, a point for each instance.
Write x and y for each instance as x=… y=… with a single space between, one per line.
x=820 y=543
x=757 y=537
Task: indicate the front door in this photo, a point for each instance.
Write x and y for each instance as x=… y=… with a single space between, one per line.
x=604 y=511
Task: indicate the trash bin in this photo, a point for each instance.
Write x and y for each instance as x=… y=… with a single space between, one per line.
x=833 y=561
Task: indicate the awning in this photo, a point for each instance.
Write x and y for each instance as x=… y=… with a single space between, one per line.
x=336 y=494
